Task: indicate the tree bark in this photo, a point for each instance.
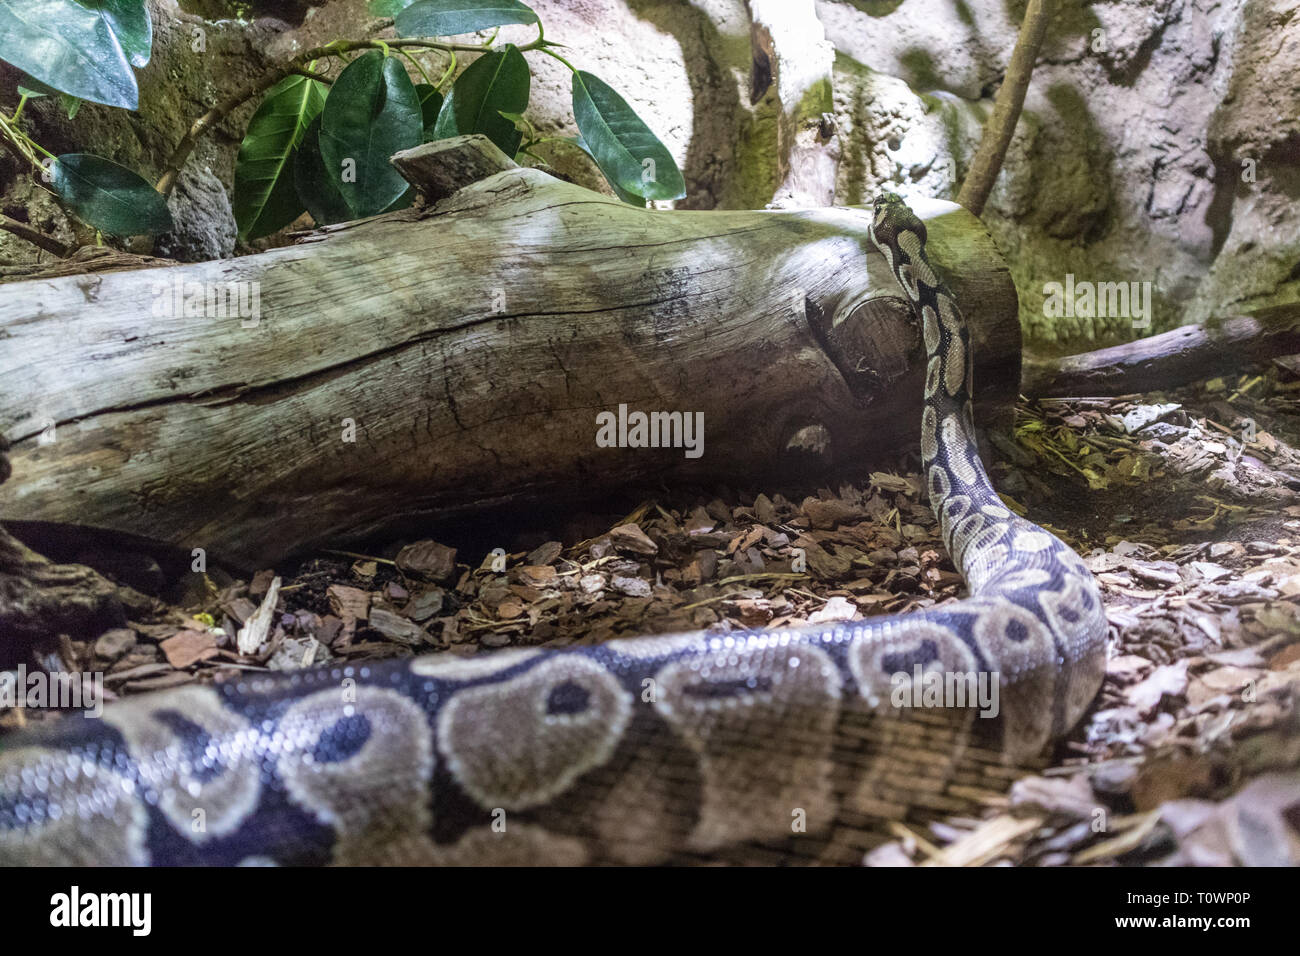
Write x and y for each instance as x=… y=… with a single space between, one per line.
x=440 y=360
x=1168 y=360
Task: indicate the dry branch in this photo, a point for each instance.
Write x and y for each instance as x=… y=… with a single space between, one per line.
x=1001 y=126
x=1170 y=359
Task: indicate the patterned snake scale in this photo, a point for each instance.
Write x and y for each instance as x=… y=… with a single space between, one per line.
x=757 y=746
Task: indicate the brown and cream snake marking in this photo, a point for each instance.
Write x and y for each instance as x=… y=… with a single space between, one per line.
x=763 y=745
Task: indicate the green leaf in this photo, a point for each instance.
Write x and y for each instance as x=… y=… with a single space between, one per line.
x=34 y=89
x=430 y=107
x=75 y=48
x=443 y=18
x=387 y=8
x=495 y=83
x=371 y=113
x=627 y=197
x=520 y=123
x=31 y=88
x=316 y=188
x=109 y=197
x=264 y=198
x=129 y=21
x=404 y=201
x=630 y=156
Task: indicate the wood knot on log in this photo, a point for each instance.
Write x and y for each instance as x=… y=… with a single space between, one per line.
x=873 y=345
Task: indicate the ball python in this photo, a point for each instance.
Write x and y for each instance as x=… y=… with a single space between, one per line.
x=767 y=746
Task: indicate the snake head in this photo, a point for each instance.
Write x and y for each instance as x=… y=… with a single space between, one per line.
x=891 y=215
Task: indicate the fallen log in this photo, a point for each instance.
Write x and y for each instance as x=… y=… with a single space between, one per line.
x=438 y=360
x=1170 y=359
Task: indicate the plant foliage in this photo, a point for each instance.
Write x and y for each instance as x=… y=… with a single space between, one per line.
x=315 y=145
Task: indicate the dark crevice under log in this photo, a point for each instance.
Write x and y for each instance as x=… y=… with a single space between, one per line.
x=40 y=599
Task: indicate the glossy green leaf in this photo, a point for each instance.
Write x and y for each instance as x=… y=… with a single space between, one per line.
x=109 y=197
x=443 y=18
x=130 y=23
x=34 y=89
x=317 y=190
x=495 y=83
x=430 y=107
x=387 y=8
x=265 y=200
x=404 y=201
x=627 y=197
x=75 y=47
x=371 y=113
x=630 y=156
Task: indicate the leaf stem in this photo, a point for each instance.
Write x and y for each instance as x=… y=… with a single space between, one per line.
x=313 y=75
x=21 y=144
x=40 y=147
x=451 y=68
x=549 y=52
x=417 y=64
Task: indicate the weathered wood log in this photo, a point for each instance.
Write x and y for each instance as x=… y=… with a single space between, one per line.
x=40 y=599
x=1170 y=359
x=435 y=361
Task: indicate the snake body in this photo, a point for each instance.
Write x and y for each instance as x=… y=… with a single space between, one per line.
x=758 y=745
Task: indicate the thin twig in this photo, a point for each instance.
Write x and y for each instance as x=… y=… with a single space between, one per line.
x=1006 y=108
x=23 y=231
x=313 y=75
x=358 y=556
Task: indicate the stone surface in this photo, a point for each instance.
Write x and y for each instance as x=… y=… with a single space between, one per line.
x=201 y=212
x=1127 y=165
